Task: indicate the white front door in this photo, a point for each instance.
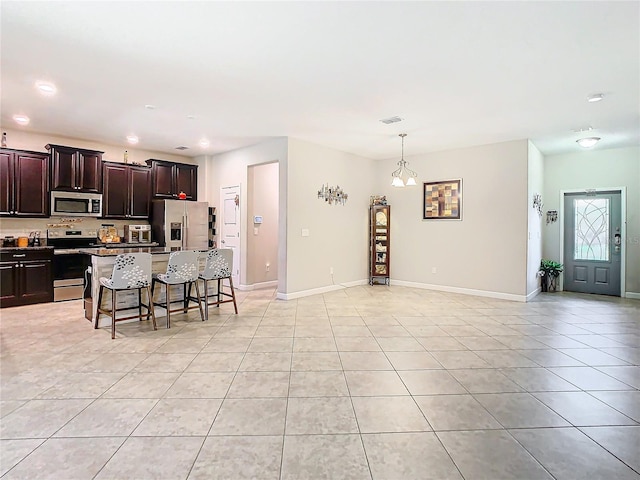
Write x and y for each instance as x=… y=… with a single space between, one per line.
x=230 y=231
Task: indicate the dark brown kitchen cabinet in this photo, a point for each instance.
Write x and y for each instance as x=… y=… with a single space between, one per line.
x=168 y=179
x=75 y=169
x=131 y=202
x=24 y=181
x=26 y=277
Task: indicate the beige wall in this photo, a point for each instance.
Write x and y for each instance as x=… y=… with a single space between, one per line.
x=26 y=140
x=338 y=235
x=534 y=242
x=231 y=168
x=619 y=167
x=262 y=239
x=486 y=252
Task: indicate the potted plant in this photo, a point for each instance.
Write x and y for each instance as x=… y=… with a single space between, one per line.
x=548 y=273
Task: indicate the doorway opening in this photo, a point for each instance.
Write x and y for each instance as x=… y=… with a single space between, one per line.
x=263 y=190
x=592 y=239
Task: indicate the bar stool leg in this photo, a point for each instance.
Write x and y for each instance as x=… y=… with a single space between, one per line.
x=113 y=314
x=140 y=304
x=233 y=295
x=151 y=309
x=206 y=299
x=168 y=300
x=218 y=292
x=199 y=302
x=99 y=305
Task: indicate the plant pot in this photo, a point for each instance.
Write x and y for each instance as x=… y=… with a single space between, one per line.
x=552 y=284
x=544 y=284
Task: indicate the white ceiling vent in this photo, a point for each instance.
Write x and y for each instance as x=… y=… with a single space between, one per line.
x=390 y=120
x=182 y=147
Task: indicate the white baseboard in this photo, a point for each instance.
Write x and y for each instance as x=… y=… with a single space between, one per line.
x=317 y=291
x=534 y=294
x=632 y=295
x=258 y=286
x=464 y=291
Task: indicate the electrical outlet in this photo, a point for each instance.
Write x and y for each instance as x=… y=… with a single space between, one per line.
x=331 y=270
x=434 y=270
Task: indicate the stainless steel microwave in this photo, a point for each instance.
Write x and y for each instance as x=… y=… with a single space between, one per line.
x=76 y=204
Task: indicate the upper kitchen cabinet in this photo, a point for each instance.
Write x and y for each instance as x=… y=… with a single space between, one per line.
x=168 y=179
x=24 y=180
x=75 y=169
x=131 y=202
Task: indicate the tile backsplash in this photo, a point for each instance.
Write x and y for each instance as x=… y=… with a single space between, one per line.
x=21 y=227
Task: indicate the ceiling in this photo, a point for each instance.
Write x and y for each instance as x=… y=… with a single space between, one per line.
x=458 y=73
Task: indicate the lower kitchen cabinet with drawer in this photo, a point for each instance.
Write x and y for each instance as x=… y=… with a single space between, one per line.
x=26 y=276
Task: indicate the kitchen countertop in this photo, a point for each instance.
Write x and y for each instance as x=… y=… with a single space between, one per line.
x=112 y=252
x=10 y=249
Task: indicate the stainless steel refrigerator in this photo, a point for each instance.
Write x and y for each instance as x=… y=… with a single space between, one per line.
x=180 y=224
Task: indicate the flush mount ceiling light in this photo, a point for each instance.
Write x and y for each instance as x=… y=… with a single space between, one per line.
x=47 y=89
x=191 y=117
x=150 y=107
x=132 y=139
x=21 y=119
x=596 y=97
x=204 y=143
x=588 y=142
x=403 y=175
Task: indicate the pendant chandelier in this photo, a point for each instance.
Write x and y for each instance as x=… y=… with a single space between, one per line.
x=403 y=176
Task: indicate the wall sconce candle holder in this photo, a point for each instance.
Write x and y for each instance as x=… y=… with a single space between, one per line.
x=333 y=195
x=552 y=216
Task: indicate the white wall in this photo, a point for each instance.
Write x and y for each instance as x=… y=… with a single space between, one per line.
x=262 y=239
x=231 y=168
x=486 y=252
x=535 y=222
x=619 y=167
x=338 y=235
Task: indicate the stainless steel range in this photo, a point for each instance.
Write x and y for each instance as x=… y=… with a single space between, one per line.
x=69 y=265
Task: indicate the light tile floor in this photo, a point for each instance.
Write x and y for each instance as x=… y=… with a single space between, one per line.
x=368 y=382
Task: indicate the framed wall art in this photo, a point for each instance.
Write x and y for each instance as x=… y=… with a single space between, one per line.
x=442 y=200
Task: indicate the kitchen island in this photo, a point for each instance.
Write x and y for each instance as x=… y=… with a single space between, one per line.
x=102 y=261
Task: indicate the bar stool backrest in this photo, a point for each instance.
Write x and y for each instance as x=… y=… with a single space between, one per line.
x=219 y=264
x=182 y=267
x=131 y=270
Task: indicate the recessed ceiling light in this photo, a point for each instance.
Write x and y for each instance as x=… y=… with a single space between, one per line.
x=204 y=143
x=596 y=97
x=132 y=139
x=583 y=129
x=191 y=117
x=46 y=88
x=21 y=119
x=182 y=147
x=150 y=107
x=588 y=142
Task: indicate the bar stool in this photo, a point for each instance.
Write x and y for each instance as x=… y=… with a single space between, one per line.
x=181 y=270
x=219 y=265
x=131 y=271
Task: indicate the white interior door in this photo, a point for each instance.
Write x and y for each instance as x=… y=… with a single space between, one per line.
x=230 y=231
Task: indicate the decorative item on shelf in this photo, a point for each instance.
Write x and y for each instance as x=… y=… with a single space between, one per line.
x=403 y=175
x=182 y=196
x=333 y=195
x=126 y=157
x=548 y=273
x=552 y=216
x=537 y=203
x=4 y=139
x=377 y=200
